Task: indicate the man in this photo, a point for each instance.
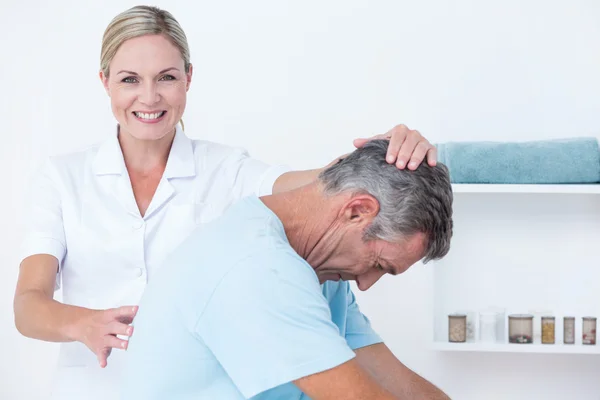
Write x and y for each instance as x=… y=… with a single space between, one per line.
x=257 y=305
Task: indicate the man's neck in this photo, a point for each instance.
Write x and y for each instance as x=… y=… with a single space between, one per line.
x=309 y=221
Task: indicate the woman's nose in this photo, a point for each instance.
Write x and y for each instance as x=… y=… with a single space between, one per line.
x=149 y=94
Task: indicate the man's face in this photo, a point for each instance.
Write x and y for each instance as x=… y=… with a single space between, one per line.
x=353 y=258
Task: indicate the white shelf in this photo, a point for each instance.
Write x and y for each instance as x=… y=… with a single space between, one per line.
x=557 y=348
x=526 y=254
x=509 y=188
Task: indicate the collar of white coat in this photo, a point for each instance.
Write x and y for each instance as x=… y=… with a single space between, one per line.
x=109 y=159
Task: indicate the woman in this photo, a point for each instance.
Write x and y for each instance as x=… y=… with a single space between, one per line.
x=104 y=219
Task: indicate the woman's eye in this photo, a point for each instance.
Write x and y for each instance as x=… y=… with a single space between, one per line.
x=167 y=78
x=129 y=79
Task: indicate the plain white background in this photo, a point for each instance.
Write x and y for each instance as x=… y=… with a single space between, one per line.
x=294 y=82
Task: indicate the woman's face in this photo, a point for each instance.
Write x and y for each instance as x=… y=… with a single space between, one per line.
x=147 y=86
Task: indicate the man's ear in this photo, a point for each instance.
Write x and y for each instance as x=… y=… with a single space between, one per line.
x=362 y=209
x=104 y=80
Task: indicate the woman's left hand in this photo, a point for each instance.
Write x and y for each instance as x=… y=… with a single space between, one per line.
x=406 y=146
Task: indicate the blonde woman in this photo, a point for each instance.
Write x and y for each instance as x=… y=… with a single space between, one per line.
x=102 y=220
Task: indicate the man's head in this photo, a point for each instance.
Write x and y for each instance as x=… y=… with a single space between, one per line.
x=388 y=220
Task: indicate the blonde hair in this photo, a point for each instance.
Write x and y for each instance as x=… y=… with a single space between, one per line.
x=139 y=21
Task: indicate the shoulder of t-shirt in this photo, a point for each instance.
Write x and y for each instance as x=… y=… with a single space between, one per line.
x=277 y=262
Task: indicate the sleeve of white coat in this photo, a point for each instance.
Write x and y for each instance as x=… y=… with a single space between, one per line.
x=251 y=176
x=44 y=230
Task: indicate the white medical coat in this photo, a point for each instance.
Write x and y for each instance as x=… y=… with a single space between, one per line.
x=83 y=212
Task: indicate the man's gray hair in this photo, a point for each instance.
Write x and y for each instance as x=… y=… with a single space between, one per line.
x=410 y=202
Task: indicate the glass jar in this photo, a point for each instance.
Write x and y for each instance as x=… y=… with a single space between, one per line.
x=588 y=330
x=537 y=314
x=457 y=328
x=520 y=328
x=548 y=330
x=487 y=326
x=500 y=324
x=569 y=330
x=471 y=323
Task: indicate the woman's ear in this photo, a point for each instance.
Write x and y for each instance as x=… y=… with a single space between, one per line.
x=104 y=80
x=188 y=77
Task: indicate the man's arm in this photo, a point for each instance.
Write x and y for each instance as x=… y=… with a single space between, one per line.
x=394 y=376
x=347 y=381
x=294 y=179
x=407 y=148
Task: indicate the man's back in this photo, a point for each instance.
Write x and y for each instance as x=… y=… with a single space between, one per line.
x=236 y=312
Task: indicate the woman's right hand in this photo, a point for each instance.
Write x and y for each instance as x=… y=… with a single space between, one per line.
x=39 y=316
x=98 y=330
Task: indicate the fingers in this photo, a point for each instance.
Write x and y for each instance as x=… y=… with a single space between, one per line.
x=397 y=136
x=102 y=356
x=418 y=155
x=432 y=156
x=124 y=314
x=114 y=342
x=110 y=342
x=409 y=147
x=128 y=311
x=397 y=139
x=406 y=147
x=358 y=143
x=118 y=328
x=406 y=151
x=104 y=326
x=125 y=320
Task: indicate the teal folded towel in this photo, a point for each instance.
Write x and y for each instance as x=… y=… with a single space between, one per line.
x=557 y=161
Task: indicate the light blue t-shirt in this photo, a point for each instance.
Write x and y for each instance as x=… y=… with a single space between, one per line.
x=236 y=313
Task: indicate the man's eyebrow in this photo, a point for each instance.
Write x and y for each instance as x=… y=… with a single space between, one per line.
x=135 y=73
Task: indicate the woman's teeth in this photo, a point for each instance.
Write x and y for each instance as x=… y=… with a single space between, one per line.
x=149 y=116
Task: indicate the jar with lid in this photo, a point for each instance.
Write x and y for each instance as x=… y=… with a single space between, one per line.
x=569 y=330
x=537 y=314
x=588 y=330
x=471 y=323
x=520 y=328
x=548 y=330
x=457 y=328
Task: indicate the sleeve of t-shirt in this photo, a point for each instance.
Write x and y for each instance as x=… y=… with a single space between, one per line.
x=44 y=230
x=268 y=324
x=359 y=332
x=251 y=176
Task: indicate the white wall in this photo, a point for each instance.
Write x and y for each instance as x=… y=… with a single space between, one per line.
x=295 y=82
